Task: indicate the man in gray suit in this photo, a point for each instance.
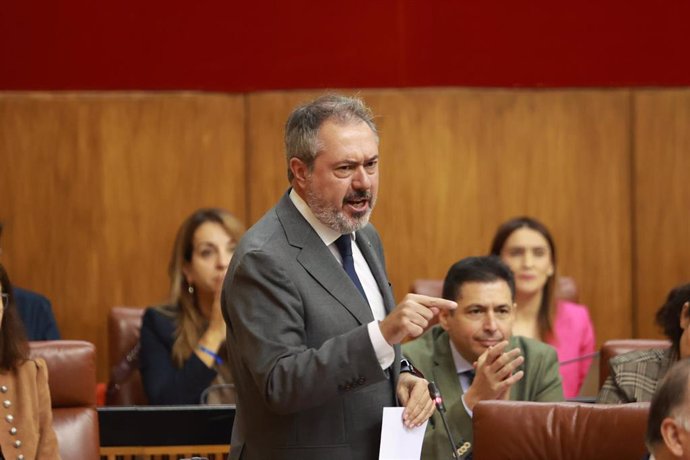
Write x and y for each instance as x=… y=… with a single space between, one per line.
x=313 y=329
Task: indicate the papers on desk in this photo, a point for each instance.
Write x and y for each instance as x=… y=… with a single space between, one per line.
x=397 y=441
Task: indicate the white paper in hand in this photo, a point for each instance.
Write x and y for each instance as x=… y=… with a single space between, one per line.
x=397 y=441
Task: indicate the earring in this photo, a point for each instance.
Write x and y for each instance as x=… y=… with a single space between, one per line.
x=190 y=289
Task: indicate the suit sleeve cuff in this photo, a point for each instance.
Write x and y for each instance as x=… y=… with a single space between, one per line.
x=384 y=352
x=467 y=409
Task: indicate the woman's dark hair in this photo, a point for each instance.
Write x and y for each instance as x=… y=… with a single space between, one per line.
x=668 y=315
x=14 y=348
x=548 y=305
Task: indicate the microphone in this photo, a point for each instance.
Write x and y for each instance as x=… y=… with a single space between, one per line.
x=219 y=387
x=577 y=359
x=438 y=400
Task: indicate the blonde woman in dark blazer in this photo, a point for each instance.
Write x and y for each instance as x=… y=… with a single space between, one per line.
x=25 y=410
x=183 y=355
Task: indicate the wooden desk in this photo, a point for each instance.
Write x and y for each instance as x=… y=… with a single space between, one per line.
x=211 y=452
x=158 y=432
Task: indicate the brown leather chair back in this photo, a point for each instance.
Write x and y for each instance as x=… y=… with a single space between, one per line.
x=566 y=288
x=430 y=287
x=125 y=387
x=558 y=431
x=72 y=381
x=612 y=348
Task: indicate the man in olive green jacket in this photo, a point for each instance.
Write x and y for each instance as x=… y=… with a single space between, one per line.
x=472 y=356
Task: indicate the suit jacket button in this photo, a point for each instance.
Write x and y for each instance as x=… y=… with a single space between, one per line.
x=462 y=450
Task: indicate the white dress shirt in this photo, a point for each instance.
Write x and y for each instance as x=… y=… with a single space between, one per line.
x=462 y=366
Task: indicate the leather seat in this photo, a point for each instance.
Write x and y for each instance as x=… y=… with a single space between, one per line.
x=558 y=431
x=72 y=381
x=124 y=387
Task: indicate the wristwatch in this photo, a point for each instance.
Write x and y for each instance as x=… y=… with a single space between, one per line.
x=406 y=366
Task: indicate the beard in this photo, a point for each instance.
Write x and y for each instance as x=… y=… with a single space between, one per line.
x=335 y=217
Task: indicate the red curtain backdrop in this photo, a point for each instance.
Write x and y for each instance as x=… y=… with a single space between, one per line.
x=223 y=45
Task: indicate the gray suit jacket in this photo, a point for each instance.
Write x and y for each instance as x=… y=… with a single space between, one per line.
x=308 y=381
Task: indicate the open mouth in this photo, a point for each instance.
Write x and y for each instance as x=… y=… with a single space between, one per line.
x=358 y=206
x=358 y=202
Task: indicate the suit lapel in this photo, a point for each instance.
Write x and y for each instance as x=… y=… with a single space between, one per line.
x=519 y=391
x=444 y=371
x=319 y=262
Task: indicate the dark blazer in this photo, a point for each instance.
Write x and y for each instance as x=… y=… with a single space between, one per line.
x=432 y=355
x=163 y=381
x=309 y=384
x=36 y=314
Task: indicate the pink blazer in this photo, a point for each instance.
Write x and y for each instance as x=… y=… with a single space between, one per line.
x=573 y=337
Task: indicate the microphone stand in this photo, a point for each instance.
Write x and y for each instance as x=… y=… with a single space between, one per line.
x=441 y=408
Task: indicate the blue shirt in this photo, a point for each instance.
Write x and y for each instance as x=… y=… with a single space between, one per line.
x=36 y=314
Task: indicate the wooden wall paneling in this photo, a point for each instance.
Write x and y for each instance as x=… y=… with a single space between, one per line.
x=51 y=205
x=457 y=163
x=117 y=173
x=106 y=180
x=661 y=199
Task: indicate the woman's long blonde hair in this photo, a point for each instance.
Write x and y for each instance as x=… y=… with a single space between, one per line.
x=190 y=323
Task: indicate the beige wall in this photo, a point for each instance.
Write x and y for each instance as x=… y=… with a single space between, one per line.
x=94 y=186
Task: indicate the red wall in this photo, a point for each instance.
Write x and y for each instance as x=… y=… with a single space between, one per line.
x=254 y=45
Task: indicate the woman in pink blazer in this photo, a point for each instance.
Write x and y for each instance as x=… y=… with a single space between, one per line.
x=527 y=247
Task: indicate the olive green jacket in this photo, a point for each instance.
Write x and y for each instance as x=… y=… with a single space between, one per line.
x=432 y=355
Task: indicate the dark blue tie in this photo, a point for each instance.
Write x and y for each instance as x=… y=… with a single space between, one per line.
x=344 y=245
x=469 y=374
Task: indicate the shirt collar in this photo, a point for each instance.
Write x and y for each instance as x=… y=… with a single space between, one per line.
x=326 y=233
x=461 y=364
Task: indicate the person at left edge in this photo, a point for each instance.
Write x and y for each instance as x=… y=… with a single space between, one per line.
x=315 y=358
x=35 y=311
x=26 y=411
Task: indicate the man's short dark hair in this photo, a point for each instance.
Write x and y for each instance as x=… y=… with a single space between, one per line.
x=485 y=269
x=668 y=400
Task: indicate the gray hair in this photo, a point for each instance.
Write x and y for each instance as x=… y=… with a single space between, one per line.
x=303 y=124
x=669 y=400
